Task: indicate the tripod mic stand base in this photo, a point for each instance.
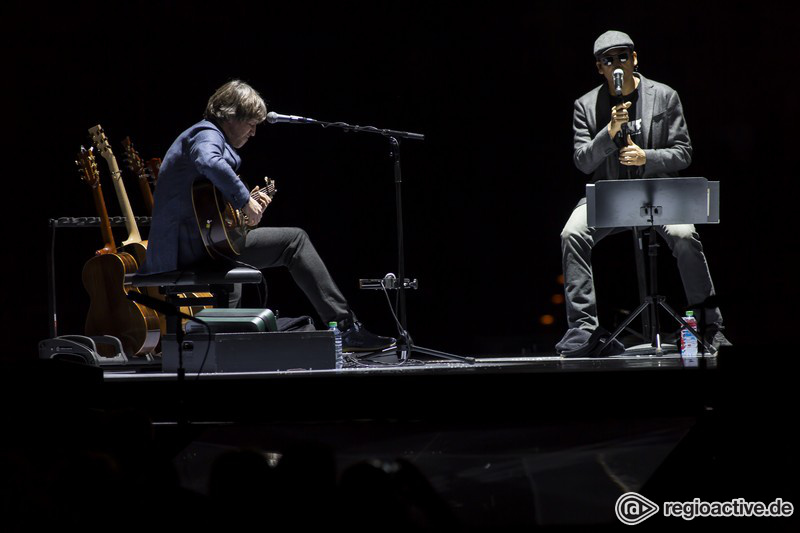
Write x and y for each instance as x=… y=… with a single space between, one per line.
x=405 y=349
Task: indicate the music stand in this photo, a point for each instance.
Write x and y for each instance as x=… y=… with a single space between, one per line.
x=651 y=202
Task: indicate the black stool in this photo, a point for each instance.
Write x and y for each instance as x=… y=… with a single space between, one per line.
x=219 y=283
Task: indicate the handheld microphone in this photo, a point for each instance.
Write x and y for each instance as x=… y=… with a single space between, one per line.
x=618 y=74
x=274 y=118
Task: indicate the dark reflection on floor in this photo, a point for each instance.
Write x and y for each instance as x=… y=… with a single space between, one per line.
x=564 y=473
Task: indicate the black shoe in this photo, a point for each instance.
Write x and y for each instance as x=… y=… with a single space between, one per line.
x=357 y=339
x=715 y=338
x=583 y=343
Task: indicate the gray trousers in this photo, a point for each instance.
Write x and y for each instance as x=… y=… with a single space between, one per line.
x=291 y=247
x=577 y=241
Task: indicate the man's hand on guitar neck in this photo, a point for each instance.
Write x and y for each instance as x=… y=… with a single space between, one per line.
x=255 y=207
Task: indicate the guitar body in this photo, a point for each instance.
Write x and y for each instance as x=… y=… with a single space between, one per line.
x=193 y=310
x=110 y=311
x=223 y=228
x=138 y=250
x=220 y=224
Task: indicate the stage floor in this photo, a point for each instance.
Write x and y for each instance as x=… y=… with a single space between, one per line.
x=533 y=441
x=389 y=363
x=491 y=388
x=536 y=441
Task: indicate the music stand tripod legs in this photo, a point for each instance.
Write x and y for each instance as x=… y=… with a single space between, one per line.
x=652 y=301
x=662 y=201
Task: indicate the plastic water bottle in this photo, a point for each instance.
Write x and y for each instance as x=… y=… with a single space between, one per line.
x=337 y=335
x=689 y=341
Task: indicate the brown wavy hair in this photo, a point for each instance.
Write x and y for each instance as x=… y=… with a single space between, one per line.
x=236 y=100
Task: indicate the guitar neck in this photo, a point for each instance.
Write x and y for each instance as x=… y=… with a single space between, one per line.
x=122 y=197
x=154 y=165
x=102 y=144
x=87 y=166
x=137 y=166
x=105 y=224
x=147 y=194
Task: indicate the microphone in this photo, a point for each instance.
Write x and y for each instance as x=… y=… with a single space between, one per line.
x=617 y=83
x=274 y=118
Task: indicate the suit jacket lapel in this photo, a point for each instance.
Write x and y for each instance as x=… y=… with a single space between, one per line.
x=600 y=118
x=647 y=96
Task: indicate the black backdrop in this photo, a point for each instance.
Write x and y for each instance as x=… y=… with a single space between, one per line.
x=491 y=85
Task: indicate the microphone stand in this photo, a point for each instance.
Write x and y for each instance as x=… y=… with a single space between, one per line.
x=168 y=309
x=650 y=323
x=405 y=343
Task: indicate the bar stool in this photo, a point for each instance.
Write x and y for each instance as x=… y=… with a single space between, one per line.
x=184 y=282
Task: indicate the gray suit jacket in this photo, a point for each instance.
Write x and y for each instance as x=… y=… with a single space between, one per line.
x=666 y=137
x=200 y=151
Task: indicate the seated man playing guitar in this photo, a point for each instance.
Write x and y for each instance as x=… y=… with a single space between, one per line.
x=206 y=152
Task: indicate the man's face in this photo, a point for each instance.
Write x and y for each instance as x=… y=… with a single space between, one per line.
x=239 y=132
x=623 y=58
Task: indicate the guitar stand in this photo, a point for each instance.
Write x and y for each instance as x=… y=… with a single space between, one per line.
x=84 y=349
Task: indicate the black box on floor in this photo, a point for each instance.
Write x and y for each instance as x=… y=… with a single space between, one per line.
x=251 y=351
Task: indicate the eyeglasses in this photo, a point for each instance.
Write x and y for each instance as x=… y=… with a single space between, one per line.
x=609 y=60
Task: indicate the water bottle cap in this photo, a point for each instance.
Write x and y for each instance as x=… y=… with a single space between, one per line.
x=333 y=324
x=689 y=313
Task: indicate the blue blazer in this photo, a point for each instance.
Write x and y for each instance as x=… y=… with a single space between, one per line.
x=200 y=151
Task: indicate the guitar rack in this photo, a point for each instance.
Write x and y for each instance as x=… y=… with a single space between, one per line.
x=72 y=222
x=80 y=348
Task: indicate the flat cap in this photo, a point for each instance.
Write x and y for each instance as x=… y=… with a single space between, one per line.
x=610 y=40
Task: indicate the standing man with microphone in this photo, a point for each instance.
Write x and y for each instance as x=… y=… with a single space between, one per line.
x=629 y=127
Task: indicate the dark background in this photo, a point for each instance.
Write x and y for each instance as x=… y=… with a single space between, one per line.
x=491 y=85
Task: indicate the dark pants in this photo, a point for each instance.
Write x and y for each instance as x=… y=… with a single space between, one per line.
x=291 y=247
x=577 y=241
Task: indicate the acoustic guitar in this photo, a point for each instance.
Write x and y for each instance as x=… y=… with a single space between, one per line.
x=87 y=166
x=103 y=276
x=223 y=228
x=134 y=243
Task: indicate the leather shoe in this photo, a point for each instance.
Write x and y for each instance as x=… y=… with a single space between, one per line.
x=356 y=338
x=584 y=343
x=715 y=338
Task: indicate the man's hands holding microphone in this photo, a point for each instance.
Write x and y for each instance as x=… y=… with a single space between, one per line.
x=630 y=155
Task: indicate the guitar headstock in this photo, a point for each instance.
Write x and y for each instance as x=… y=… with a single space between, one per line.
x=101 y=141
x=132 y=159
x=87 y=166
x=154 y=165
x=269 y=187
